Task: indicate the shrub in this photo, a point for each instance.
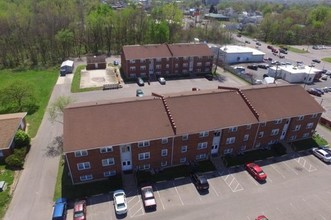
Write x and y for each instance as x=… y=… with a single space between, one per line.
x=22 y=139
x=17 y=158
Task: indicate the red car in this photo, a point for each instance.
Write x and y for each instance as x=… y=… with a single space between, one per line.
x=80 y=210
x=256 y=171
x=261 y=217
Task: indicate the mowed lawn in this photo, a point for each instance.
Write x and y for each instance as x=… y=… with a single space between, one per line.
x=43 y=82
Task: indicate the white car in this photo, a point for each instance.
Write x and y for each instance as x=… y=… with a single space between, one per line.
x=322 y=154
x=120 y=203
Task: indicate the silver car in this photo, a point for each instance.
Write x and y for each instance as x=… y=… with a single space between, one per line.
x=322 y=154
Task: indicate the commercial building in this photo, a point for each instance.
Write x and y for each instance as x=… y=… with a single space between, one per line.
x=294 y=74
x=153 y=61
x=105 y=138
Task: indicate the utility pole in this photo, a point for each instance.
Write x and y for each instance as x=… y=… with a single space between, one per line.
x=218 y=54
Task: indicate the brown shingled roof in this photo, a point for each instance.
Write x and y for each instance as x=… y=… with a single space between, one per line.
x=9 y=123
x=132 y=52
x=278 y=102
x=113 y=123
x=185 y=50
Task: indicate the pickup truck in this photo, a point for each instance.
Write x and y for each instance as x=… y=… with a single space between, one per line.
x=148 y=198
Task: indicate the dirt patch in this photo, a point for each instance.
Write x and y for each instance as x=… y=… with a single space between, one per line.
x=97 y=78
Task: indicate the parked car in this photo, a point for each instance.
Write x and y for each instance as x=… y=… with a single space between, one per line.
x=162 y=80
x=270 y=47
x=258 y=43
x=319 y=90
x=247 y=42
x=316 y=61
x=60 y=209
x=322 y=154
x=281 y=50
x=210 y=77
x=148 y=198
x=313 y=91
x=261 y=217
x=80 y=210
x=120 y=202
x=281 y=56
x=274 y=50
x=324 y=77
x=140 y=81
x=256 y=171
x=263 y=66
x=139 y=93
x=116 y=63
x=252 y=67
x=200 y=181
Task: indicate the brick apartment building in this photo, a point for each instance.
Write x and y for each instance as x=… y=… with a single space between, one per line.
x=102 y=139
x=153 y=61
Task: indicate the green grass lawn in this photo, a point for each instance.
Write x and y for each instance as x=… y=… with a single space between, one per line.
x=327 y=59
x=7 y=176
x=43 y=82
x=296 y=50
x=75 y=85
x=316 y=141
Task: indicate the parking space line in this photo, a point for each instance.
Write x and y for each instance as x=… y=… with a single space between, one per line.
x=178 y=194
x=290 y=168
x=213 y=190
x=278 y=171
x=303 y=162
x=135 y=214
x=251 y=178
x=158 y=192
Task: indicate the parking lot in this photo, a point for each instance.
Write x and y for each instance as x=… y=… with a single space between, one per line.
x=297 y=187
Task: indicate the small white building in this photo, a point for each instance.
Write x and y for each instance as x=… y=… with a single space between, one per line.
x=293 y=74
x=232 y=54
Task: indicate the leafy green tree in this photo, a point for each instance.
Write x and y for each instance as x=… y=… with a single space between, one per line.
x=22 y=139
x=17 y=158
x=65 y=38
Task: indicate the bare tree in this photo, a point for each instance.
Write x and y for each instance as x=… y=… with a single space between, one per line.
x=56 y=109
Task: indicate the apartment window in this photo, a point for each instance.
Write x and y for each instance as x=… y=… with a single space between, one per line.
x=305 y=135
x=142 y=67
x=86 y=177
x=301 y=117
x=132 y=61
x=248 y=127
x=164 y=152
x=274 y=132
x=185 y=58
x=158 y=66
x=106 y=149
x=293 y=137
x=243 y=148
x=144 y=156
x=185 y=137
x=246 y=136
x=80 y=153
x=183 y=149
x=167 y=66
x=176 y=65
x=143 y=144
x=261 y=133
x=207 y=69
x=297 y=127
x=228 y=151
x=257 y=145
x=109 y=173
x=233 y=129
x=207 y=64
x=309 y=125
x=164 y=163
x=158 y=59
x=204 y=134
x=164 y=140
x=314 y=116
x=278 y=121
x=142 y=61
x=202 y=145
x=199 y=64
x=230 y=140
x=182 y=160
x=108 y=162
x=1 y=153
x=217 y=133
x=198 y=70
x=132 y=68
x=84 y=166
x=201 y=156
x=272 y=142
x=145 y=167
x=263 y=124
x=185 y=64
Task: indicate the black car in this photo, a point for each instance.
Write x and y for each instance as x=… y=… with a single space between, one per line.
x=282 y=50
x=252 y=67
x=263 y=66
x=316 y=61
x=210 y=77
x=247 y=42
x=140 y=81
x=200 y=181
x=258 y=43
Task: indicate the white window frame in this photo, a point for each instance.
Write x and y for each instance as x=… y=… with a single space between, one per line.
x=264 y=124
x=185 y=137
x=309 y=125
x=243 y=148
x=305 y=135
x=274 y=132
x=278 y=121
x=272 y=142
x=233 y=129
x=230 y=140
x=132 y=61
x=108 y=162
x=199 y=63
x=228 y=151
x=164 y=152
x=158 y=66
x=202 y=145
x=164 y=163
x=164 y=140
x=297 y=128
x=248 y=127
x=143 y=143
x=260 y=135
x=145 y=167
x=293 y=137
x=142 y=67
x=183 y=149
x=203 y=134
x=144 y=156
x=109 y=173
x=246 y=137
x=314 y=115
x=301 y=117
x=257 y=145
x=85 y=166
x=217 y=133
x=182 y=160
x=85 y=178
x=132 y=68
x=106 y=149
x=81 y=153
x=201 y=156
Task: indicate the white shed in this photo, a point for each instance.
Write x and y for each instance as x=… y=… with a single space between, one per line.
x=232 y=54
